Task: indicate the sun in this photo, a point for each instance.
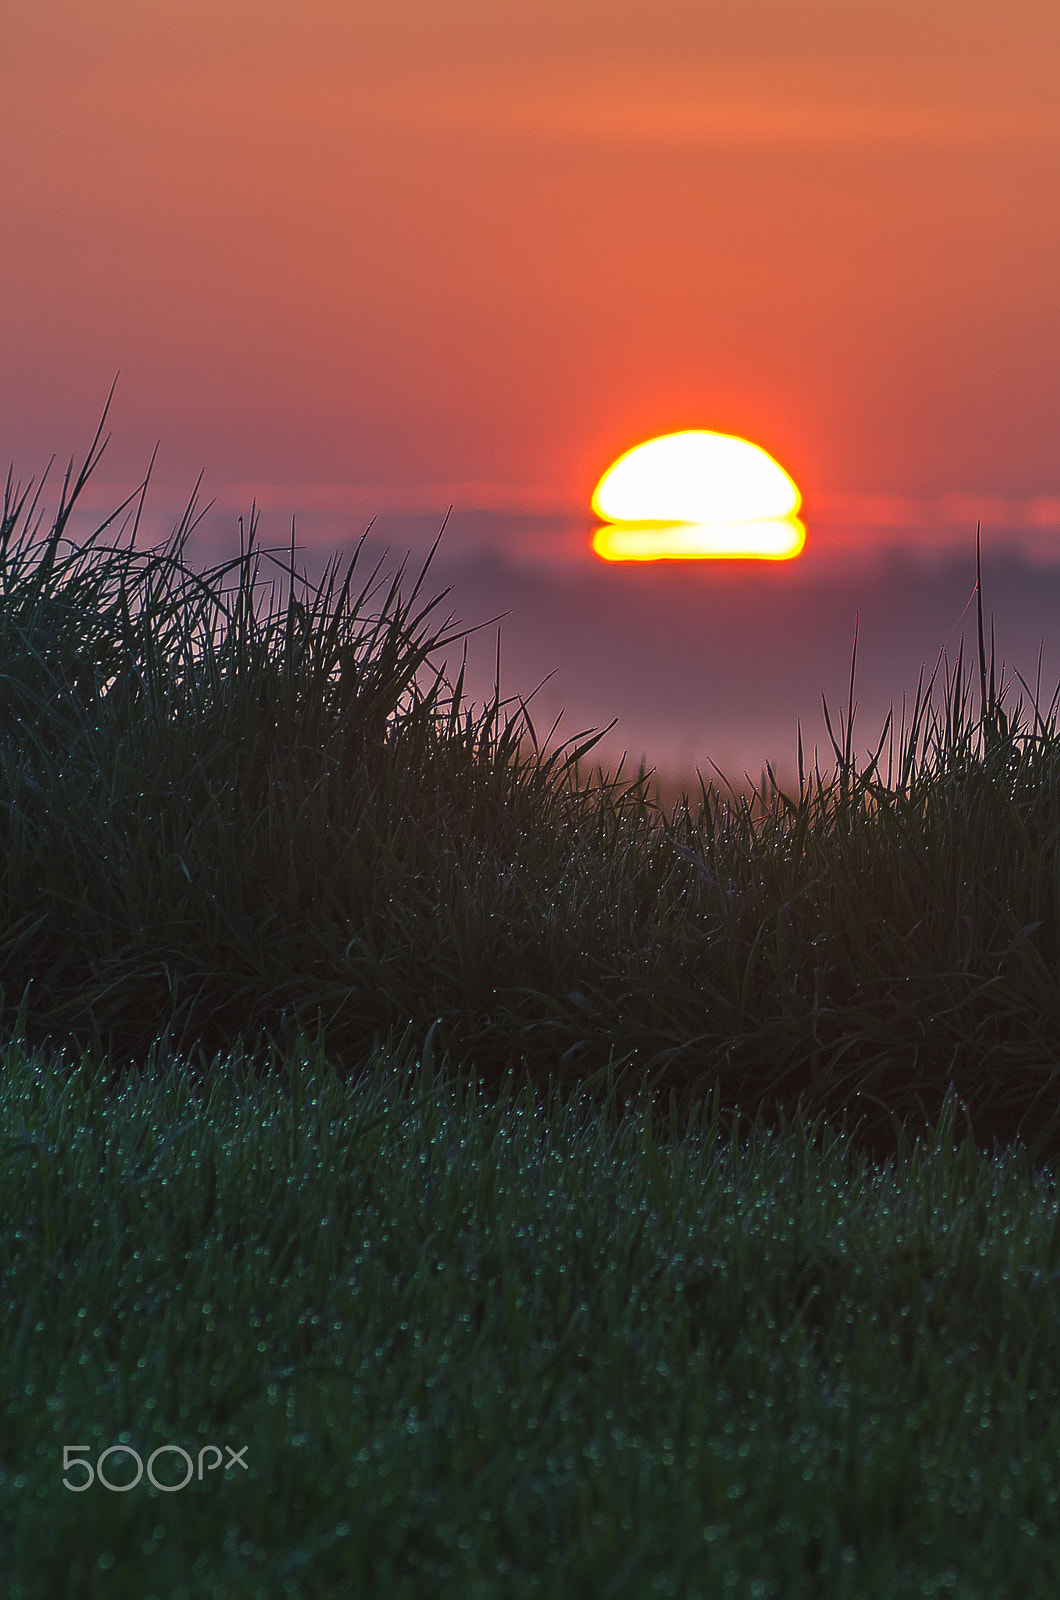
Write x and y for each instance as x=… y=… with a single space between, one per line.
x=697 y=495
x=695 y=477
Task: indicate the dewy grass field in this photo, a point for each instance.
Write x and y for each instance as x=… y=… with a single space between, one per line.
x=476 y=1181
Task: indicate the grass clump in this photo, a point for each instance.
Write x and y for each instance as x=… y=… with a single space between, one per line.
x=224 y=809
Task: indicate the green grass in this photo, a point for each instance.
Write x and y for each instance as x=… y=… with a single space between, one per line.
x=494 y=1346
x=554 y=1193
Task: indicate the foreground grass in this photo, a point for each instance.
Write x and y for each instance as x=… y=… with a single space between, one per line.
x=509 y=1347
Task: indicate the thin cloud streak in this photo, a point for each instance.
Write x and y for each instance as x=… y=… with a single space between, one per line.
x=880 y=511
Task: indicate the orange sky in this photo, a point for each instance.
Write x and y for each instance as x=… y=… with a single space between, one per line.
x=387 y=255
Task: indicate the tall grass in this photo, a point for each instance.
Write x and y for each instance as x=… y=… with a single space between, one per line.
x=231 y=809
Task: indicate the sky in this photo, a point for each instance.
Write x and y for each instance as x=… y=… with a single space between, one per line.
x=380 y=259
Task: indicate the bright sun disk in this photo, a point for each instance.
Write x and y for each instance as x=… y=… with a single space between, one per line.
x=697 y=495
